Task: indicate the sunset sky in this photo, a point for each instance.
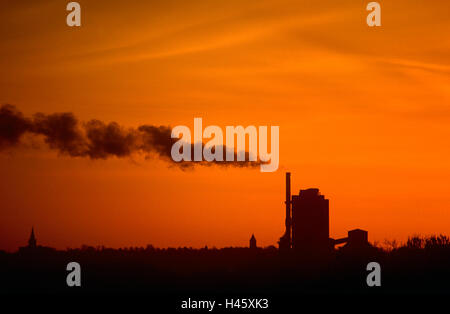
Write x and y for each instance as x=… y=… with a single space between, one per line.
x=364 y=115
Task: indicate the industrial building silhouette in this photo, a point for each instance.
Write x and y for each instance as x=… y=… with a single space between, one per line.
x=308 y=224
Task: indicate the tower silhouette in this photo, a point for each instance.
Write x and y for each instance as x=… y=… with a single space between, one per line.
x=32 y=240
x=310 y=221
x=253 y=242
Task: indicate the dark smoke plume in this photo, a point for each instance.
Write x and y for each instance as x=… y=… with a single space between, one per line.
x=95 y=139
x=12 y=126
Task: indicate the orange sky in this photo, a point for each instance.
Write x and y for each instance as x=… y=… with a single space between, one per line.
x=363 y=113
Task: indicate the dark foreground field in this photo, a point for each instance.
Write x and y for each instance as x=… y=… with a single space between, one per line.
x=166 y=277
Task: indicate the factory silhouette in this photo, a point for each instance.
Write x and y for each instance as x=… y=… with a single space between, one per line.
x=308 y=224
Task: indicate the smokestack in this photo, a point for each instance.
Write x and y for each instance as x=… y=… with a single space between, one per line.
x=288 y=208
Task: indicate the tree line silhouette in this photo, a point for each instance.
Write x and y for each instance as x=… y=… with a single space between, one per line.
x=419 y=265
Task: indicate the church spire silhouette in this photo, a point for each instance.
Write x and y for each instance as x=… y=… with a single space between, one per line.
x=32 y=240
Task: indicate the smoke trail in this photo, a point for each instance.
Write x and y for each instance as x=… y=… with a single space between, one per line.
x=94 y=139
x=12 y=126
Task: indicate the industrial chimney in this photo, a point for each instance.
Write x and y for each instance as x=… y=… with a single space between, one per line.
x=288 y=207
x=285 y=240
